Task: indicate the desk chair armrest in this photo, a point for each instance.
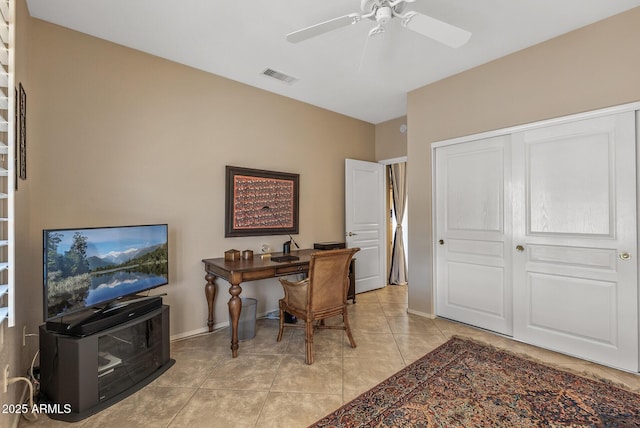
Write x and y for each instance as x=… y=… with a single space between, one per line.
x=295 y=293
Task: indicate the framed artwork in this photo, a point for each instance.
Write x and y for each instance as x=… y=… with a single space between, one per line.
x=16 y=152
x=259 y=202
x=22 y=131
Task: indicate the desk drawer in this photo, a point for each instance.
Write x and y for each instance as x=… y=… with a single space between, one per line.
x=288 y=270
x=260 y=274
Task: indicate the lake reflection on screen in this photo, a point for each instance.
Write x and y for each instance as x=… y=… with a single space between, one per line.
x=113 y=285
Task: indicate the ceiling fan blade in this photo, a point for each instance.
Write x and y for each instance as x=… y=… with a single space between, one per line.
x=394 y=3
x=433 y=28
x=323 y=27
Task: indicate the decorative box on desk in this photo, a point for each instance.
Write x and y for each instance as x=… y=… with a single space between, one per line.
x=232 y=255
x=351 y=294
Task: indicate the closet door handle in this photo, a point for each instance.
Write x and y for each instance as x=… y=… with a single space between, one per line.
x=624 y=256
x=441 y=241
x=519 y=248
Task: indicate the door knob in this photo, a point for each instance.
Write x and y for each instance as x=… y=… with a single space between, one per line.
x=624 y=256
x=441 y=241
x=519 y=248
x=352 y=234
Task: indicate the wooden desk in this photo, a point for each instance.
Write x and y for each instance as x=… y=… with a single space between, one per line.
x=240 y=271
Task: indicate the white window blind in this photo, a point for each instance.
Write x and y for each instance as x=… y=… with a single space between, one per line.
x=8 y=165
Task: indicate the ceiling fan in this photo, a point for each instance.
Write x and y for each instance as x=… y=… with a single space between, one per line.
x=383 y=11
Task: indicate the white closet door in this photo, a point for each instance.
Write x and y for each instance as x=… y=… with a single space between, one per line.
x=365 y=221
x=574 y=254
x=473 y=267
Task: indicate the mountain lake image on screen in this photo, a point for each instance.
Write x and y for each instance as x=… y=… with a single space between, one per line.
x=94 y=266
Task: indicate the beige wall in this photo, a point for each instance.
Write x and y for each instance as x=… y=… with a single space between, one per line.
x=590 y=68
x=391 y=143
x=121 y=137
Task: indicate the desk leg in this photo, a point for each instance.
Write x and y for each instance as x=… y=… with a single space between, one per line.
x=210 y=293
x=235 y=306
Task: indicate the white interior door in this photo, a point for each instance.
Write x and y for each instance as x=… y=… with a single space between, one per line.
x=365 y=221
x=473 y=269
x=575 y=259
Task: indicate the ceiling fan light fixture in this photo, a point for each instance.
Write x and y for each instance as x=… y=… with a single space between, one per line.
x=378 y=29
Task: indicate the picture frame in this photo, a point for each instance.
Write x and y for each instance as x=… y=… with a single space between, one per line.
x=22 y=131
x=16 y=151
x=260 y=202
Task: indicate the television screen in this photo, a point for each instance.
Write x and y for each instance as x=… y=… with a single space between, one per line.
x=94 y=266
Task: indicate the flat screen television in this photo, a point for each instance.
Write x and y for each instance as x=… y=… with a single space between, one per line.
x=94 y=267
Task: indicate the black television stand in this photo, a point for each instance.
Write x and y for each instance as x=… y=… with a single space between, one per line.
x=85 y=374
x=94 y=320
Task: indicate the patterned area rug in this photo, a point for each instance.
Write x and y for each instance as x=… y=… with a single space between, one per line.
x=467 y=384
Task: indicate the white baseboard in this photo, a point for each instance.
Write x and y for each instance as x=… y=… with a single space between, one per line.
x=203 y=330
x=421 y=314
x=191 y=333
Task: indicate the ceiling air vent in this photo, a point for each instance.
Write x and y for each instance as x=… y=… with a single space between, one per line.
x=280 y=76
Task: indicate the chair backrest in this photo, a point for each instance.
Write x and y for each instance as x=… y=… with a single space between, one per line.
x=329 y=278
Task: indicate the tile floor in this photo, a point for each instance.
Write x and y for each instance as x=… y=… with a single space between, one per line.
x=269 y=385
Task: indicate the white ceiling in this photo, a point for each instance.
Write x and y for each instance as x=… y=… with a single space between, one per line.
x=239 y=39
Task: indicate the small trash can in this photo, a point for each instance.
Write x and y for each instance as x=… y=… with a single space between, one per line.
x=247 y=320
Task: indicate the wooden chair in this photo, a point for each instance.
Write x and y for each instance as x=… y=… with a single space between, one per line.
x=323 y=294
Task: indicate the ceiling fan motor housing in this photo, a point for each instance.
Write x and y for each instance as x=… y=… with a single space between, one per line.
x=381 y=11
x=383 y=15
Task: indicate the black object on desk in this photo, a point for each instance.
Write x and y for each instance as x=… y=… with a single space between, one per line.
x=329 y=245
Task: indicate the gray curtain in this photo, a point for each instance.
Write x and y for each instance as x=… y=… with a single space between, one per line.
x=398 y=271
